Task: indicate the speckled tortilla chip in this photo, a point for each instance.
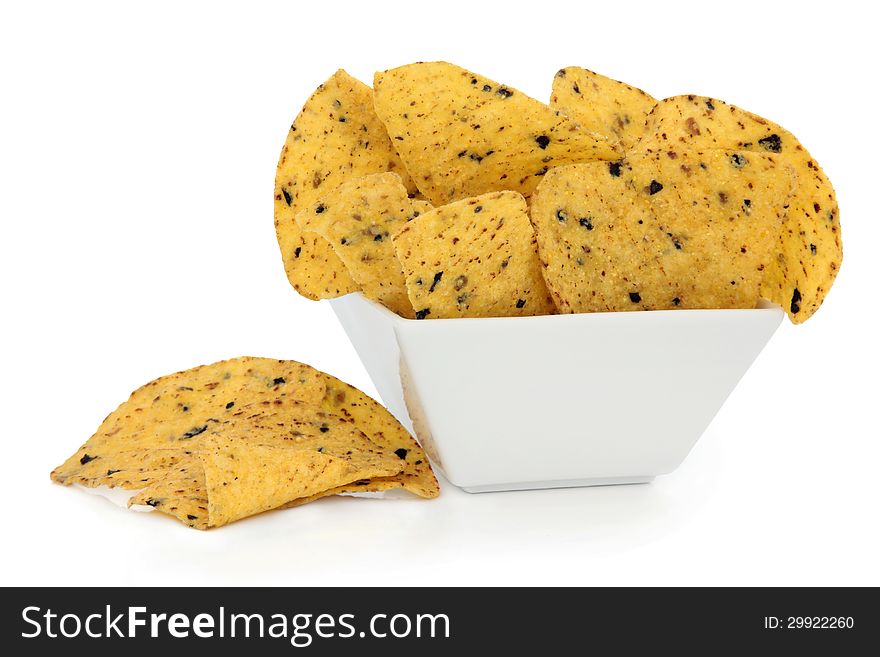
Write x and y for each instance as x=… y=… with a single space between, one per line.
x=602 y=105
x=461 y=134
x=678 y=229
x=155 y=443
x=473 y=258
x=809 y=250
x=264 y=462
x=358 y=219
x=421 y=205
x=354 y=407
x=173 y=410
x=181 y=493
x=336 y=136
x=244 y=479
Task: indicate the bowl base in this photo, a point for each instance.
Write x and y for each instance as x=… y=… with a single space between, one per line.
x=561 y=483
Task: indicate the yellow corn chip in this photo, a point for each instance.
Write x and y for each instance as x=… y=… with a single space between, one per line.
x=173 y=410
x=357 y=219
x=460 y=134
x=180 y=493
x=353 y=406
x=421 y=205
x=244 y=479
x=473 y=258
x=809 y=250
x=678 y=229
x=602 y=105
x=157 y=442
x=336 y=136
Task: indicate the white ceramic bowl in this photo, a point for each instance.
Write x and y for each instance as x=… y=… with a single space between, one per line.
x=561 y=400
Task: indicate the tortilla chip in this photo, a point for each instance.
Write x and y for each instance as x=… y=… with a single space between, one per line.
x=352 y=406
x=421 y=206
x=678 y=229
x=460 y=134
x=149 y=444
x=602 y=105
x=244 y=479
x=263 y=462
x=358 y=219
x=171 y=411
x=336 y=136
x=180 y=493
x=809 y=251
x=473 y=258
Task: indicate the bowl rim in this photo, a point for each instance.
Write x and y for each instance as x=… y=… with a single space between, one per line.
x=763 y=306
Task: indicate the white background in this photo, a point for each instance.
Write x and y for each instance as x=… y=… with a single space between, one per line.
x=137 y=153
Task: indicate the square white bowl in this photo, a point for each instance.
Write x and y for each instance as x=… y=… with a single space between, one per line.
x=558 y=400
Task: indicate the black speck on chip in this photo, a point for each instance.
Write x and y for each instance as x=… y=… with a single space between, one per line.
x=230 y=405
x=278 y=381
x=812 y=249
x=520 y=303
x=473 y=80
x=738 y=161
x=614 y=169
x=654 y=187
x=586 y=223
x=436 y=280
x=709 y=104
x=190 y=516
x=772 y=143
x=504 y=93
x=86 y=458
x=486 y=87
x=378 y=238
x=195 y=431
x=401 y=452
x=635 y=297
x=297 y=251
x=112 y=472
x=543 y=141
x=287 y=197
x=676 y=301
x=320 y=209
x=561 y=216
x=795 y=302
x=478 y=209
x=323 y=428
x=424 y=312
x=153 y=503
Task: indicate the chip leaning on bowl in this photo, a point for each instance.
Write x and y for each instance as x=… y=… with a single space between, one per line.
x=735 y=211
